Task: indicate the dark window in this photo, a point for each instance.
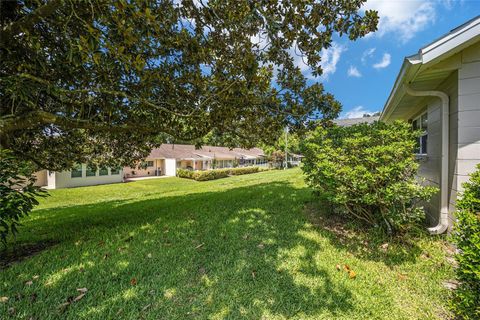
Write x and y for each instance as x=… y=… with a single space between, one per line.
x=76 y=171
x=115 y=170
x=91 y=171
x=421 y=124
x=103 y=171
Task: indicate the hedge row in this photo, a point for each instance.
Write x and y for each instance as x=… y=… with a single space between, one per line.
x=466 y=237
x=216 y=173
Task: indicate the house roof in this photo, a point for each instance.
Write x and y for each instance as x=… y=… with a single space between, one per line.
x=428 y=68
x=353 y=121
x=189 y=152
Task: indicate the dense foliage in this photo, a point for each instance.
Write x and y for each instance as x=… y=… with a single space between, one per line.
x=104 y=80
x=17 y=193
x=216 y=173
x=466 y=236
x=368 y=170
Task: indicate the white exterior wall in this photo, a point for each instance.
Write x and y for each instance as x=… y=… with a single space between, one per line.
x=467 y=127
x=463 y=88
x=171 y=167
x=147 y=172
x=58 y=180
x=430 y=167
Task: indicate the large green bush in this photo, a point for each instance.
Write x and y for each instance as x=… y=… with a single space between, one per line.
x=466 y=236
x=216 y=173
x=17 y=193
x=368 y=171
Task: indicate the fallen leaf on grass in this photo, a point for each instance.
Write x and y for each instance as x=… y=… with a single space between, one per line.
x=149 y=255
x=352 y=274
x=338 y=267
x=451 y=284
x=133 y=282
x=253 y=274
x=261 y=246
x=384 y=247
x=346 y=267
x=199 y=246
x=35 y=277
x=3 y=299
x=425 y=255
x=77 y=298
x=146 y=307
x=28 y=283
x=72 y=299
x=402 y=276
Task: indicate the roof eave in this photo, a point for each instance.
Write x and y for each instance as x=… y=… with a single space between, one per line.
x=407 y=72
x=454 y=41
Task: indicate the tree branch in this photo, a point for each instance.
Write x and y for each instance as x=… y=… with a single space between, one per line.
x=27 y=22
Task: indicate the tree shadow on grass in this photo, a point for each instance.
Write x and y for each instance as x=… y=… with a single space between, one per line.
x=239 y=253
x=363 y=241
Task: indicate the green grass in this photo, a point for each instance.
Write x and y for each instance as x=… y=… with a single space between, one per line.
x=254 y=246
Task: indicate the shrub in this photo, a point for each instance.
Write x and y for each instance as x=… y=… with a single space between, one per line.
x=243 y=170
x=17 y=193
x=466 y=236
x=368 y=170
x=216 y=173
x=184 y=173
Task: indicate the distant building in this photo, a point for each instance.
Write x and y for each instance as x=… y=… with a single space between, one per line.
x=162 y=161
x=353 y=121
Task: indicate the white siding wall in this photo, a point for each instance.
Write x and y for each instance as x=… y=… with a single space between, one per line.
x=463 y=88
x=171 y=167
x=64 y=180
x=430 y=168
x=468 y=116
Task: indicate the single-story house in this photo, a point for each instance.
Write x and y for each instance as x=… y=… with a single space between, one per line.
x=438 y=91
x=79 y=176
x=353 y=121
x=162 y=161
x=166 y=159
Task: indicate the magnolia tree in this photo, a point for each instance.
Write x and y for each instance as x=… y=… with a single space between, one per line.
x=102 y=81
x=106 y=80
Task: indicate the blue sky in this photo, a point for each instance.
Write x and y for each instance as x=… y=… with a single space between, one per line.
x=361 y=74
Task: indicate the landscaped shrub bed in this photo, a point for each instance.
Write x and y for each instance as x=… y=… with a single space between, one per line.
x=368 y=171
x=216 y=173
x=466 y=236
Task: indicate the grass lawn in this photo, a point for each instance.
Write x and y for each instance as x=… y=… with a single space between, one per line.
x=253 y=246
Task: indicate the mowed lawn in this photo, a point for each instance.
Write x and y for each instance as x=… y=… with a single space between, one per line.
x=246 y=247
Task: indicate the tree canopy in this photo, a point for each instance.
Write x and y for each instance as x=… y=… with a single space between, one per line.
x=104 y=81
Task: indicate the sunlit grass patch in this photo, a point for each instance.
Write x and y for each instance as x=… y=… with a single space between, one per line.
x=253 y=246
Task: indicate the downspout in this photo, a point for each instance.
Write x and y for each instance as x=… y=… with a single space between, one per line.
x=442 y=225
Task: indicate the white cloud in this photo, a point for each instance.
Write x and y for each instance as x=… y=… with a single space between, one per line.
x=402 y=18
x=449 y=4
x=358 y=112
x=367 y=54
x=385 y=62
x=353 y=72
x=329 y=60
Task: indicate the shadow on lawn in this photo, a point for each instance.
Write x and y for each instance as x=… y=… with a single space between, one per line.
x=239 y=253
